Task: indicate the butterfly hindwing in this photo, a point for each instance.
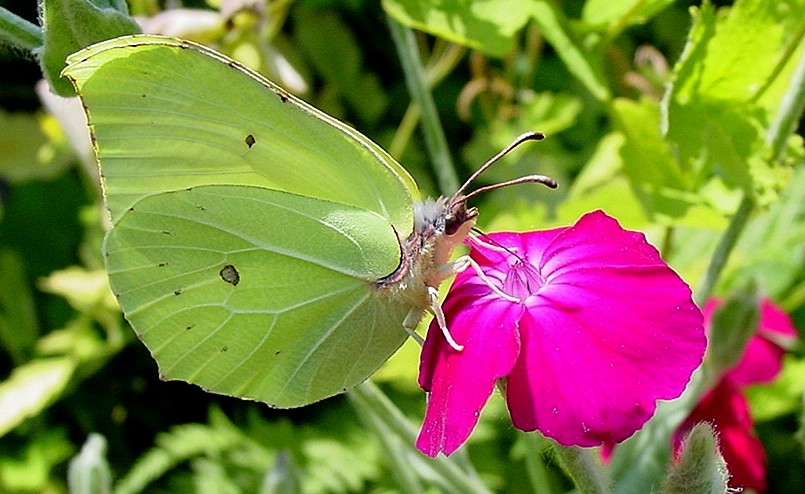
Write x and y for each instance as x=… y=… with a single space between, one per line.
x=228 y=288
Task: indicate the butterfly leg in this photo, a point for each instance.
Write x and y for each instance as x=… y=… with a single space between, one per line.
x=410 y=323
x=436 y=309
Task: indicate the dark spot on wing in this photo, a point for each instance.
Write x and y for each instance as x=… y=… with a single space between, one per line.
x=230 y=274
x=224 y=348
x=162 y=264
x=177 y=291
x=283 y=96
x=250 y=140
x=190 y=326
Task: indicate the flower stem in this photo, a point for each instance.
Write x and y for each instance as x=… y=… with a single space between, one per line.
x=19 y=33
x=723 y=250
x=404 y=130
x=535 y=445
x=397 y=434
x=790 y=112
x=584 y=468
x=432 y=129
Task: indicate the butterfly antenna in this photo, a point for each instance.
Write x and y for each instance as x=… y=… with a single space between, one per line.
x=459 y=196
x=528 y=179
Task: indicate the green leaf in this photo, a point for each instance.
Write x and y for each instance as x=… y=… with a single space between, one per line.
x=604 y=164
x=31 y=466
x=700 y=468
x=490 y=26
x=31 y=388
x=723 y=45
x=486 y=25
x=19 y=326
x=617 y=198
x=662 y=186
x=86 y=291
x=647 y=158
x=73 y=24
x=717 y=110
x=606 y=13
x=580 y=61
x=210 y=477
x=783 y=396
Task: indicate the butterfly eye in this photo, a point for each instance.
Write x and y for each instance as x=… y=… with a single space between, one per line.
x=458 y=216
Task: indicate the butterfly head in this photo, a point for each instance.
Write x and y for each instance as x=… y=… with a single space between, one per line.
x=442 y=224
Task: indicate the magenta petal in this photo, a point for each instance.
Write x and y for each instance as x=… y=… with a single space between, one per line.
x=762 y=358
x=612 y=330
x=522 y=244
x=760 y=363
x=460 y=383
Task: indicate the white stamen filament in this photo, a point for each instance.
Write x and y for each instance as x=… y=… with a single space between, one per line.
x=464 y=262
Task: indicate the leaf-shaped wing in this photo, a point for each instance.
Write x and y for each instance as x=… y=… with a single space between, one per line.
x=257 y=293
x=168 y=114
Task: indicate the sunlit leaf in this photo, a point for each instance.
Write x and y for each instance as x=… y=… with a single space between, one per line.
x=605 y=12
x=486 y=25
x=31 y=388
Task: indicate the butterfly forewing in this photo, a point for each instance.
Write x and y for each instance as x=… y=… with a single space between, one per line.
x=168 y=114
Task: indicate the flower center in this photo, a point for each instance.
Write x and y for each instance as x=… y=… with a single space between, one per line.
x=522 y=280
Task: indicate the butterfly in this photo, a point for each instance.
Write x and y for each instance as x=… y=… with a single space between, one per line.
x=259 y=247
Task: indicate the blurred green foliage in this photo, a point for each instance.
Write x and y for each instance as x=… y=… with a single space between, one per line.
x=667 y=116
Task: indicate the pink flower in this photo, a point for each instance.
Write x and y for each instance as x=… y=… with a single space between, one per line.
x=603 y=329
x=725 y=405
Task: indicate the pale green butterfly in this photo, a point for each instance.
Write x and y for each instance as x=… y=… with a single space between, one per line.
x=259 y=247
